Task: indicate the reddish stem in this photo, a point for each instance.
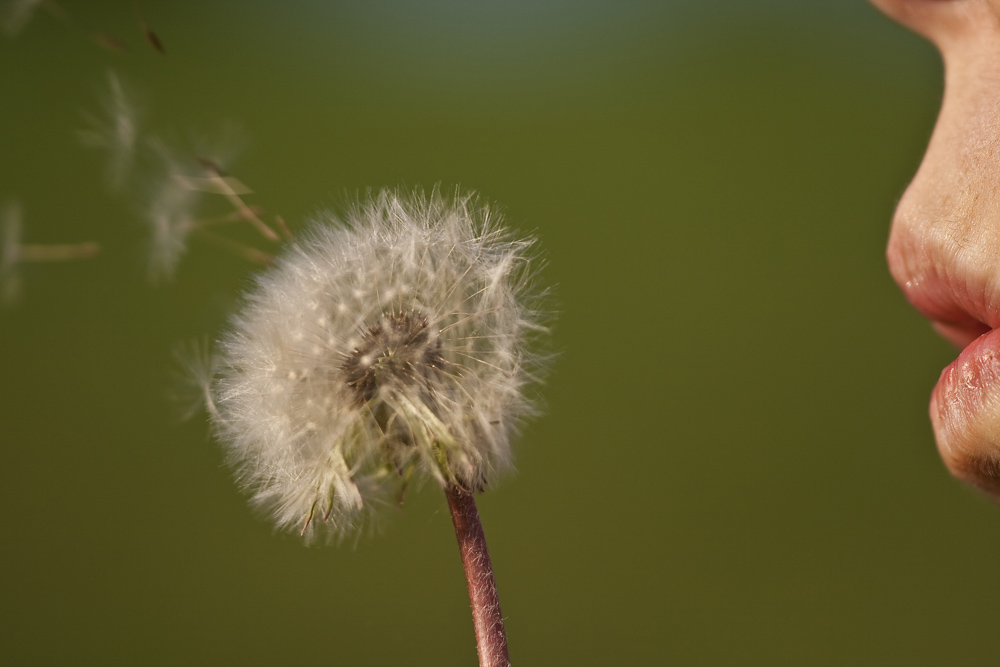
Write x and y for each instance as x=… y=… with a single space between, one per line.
x=486 y=617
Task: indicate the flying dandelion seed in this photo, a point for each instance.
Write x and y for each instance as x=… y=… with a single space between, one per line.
x=169 y=216
x=14 y=253
x=116 y=131
x=151 y=37
x=396 y=344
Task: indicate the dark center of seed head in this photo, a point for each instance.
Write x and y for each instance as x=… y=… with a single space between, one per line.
x=398 y=349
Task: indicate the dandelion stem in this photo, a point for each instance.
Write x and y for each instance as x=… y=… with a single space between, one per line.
x=491 y=640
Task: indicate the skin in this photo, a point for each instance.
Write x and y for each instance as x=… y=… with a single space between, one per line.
x=944 y=249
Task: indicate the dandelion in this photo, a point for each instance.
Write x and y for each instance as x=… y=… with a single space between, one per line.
x=14 y=253
x=395 y=345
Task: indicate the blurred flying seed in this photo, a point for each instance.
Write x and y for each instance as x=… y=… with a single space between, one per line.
x=114 y=130
x=14 y=253
x=153 y=40
x=147 y=32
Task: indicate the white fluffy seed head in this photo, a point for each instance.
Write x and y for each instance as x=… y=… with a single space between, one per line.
x=397 y=343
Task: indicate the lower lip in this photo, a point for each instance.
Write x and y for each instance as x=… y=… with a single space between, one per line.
x=965 y=404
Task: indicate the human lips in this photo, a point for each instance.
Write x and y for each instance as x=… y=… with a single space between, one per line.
x=965 y=413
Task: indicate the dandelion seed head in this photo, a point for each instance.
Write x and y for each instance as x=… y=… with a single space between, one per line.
x=398 y=342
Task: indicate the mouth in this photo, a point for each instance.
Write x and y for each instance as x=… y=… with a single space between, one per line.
x=965 y=403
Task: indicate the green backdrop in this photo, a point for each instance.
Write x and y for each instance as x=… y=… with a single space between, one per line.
x=735 y=465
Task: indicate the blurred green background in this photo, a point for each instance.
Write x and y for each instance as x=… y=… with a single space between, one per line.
x=735 y=466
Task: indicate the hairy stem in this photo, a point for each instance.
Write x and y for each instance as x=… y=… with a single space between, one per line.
x=491 y=640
